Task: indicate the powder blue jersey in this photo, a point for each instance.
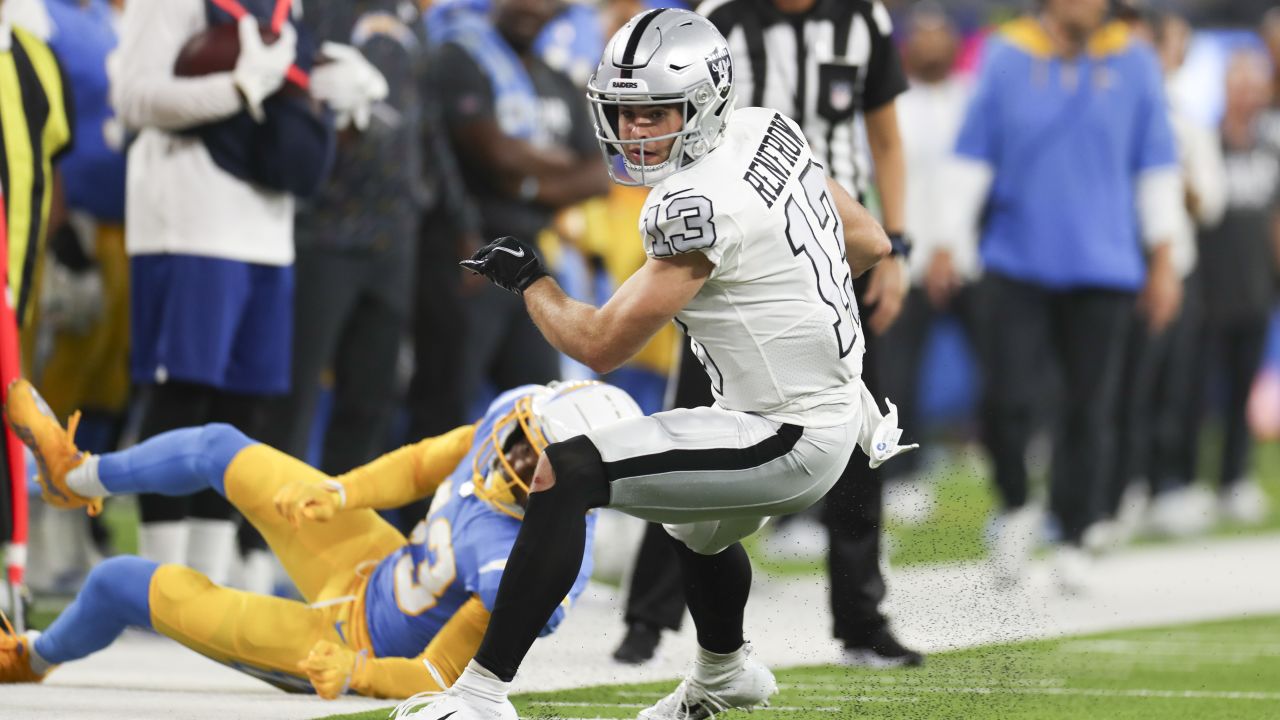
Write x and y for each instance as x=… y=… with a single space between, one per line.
x=1067 y=141
x=460 y=549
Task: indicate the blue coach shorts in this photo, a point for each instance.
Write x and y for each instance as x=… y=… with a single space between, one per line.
x=222 y=323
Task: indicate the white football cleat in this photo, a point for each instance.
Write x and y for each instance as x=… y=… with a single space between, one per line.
x=472 y=697
x=1182 y=512
x=751 y=685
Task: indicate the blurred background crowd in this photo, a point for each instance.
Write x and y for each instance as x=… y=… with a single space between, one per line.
x=333 y=322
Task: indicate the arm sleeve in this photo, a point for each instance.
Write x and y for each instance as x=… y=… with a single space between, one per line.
x=1160 y=204
x=144 y=90
x=408 y=474
x=437 y=667
x=1207 y=174
x=885 y=77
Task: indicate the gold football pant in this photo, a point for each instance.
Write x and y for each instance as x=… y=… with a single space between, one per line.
x=329 y=562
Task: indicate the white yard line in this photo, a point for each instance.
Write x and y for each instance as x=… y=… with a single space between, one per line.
x=938 y=608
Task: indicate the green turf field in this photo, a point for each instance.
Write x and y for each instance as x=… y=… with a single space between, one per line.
x=965 y=500
x=1223 y=670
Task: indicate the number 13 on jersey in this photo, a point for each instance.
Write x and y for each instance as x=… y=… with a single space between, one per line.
x=825 y=255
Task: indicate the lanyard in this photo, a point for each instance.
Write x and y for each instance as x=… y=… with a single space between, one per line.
x=278 y=18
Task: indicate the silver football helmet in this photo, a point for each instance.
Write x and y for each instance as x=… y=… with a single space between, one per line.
x=664 y=57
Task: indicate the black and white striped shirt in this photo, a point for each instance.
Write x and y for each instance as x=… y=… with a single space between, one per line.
x=823 y=68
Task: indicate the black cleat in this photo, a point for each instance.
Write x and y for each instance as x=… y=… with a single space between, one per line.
x=881 y=650
x=639 y=645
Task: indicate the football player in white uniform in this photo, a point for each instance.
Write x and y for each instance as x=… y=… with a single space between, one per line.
x=751 y=249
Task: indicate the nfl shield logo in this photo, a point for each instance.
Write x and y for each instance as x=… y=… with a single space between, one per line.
x=841 y=95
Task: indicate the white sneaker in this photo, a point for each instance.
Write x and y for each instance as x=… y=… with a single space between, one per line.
x=746 y=686
x=1133 y=508
x=472 y=697
x=1013 y=536
x=1181 y=513
x=1072 y=570
x=1245 y=502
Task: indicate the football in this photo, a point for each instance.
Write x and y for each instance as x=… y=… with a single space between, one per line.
x=213 y=50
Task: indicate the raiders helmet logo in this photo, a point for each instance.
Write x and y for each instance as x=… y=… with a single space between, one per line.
x=720 y=66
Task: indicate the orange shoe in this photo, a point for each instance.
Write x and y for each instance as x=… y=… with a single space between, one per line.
x=54 y=448
x=15 y=656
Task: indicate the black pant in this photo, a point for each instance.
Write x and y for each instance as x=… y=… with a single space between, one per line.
x=350 y=309
x=176 y=405
x=436 y=401
x=899 y=364
x=502 y=346
x=1175 y=429
x=1236 y=346
x=1154 y=400
x=852 y=511
x=1029 y=333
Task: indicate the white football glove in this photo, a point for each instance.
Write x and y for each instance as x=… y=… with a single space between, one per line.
x=349 y=84
x=260 y=69
x=880 y=432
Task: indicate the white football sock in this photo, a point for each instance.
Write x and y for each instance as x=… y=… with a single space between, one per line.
x=710 y=668
x=212 y=548
x=39 y=665
x=164 y=542
x=476 y=680
x=83 y=479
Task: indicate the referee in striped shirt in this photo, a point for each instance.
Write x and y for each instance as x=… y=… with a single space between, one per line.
x=831 y=65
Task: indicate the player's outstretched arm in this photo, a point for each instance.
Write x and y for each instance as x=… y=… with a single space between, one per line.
x=395 y=479
x=333 y=668
x=865 y=241
x=604 y=338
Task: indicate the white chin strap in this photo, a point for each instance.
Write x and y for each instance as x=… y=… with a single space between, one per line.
x=654 y=174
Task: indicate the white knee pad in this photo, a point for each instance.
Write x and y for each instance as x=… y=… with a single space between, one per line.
x=709 y=537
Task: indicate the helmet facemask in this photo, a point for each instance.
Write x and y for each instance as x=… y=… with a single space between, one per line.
x=691 y=143
x=496 y=480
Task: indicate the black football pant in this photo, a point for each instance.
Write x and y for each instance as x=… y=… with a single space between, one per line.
x=174 y=405
x=852 y=512
x=1235 y=349
x=899 y=363
x=1029 y=334
x=1155 y=436
x=350 y=309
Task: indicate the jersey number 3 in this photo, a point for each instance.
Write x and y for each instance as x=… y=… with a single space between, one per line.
x=828 y=260
x=419 y=587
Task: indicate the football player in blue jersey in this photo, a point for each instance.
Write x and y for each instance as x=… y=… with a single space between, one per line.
x=385 y=615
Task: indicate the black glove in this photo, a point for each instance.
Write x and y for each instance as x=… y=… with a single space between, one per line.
x=510 y=263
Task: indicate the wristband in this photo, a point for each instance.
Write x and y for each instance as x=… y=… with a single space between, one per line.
x=899 y=245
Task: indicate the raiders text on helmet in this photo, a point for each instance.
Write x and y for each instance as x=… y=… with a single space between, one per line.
x=664 y=57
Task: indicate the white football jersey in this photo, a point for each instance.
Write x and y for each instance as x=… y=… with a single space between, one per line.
x=776 y=325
